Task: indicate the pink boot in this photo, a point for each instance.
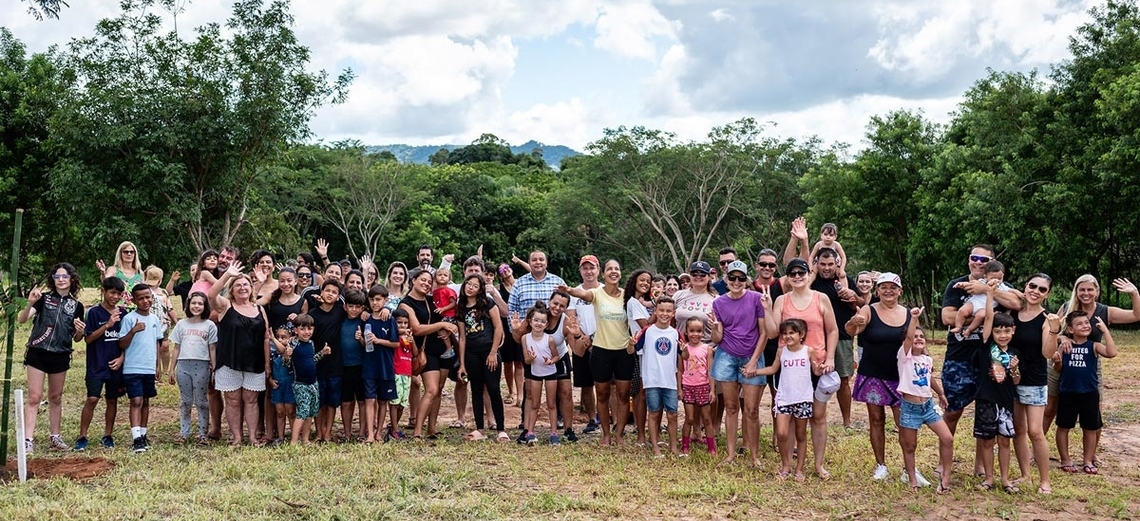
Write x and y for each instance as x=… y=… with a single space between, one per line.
x=685 y=446
x=711 y=443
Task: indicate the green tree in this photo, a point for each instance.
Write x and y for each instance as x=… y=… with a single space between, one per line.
x=166 y=139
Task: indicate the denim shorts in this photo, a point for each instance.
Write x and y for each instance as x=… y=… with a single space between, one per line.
x=657 y=398
x=1032 y=395
x=915 y=415
x=726 y=368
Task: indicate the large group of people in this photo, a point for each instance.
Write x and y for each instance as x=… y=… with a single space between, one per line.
x=282 y=348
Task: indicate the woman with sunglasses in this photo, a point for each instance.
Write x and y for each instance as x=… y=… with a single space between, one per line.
x=814 y=308
x=1035 y=338
x=739 y=332
x=127 y=267
x=696 y=301
x=57 y=322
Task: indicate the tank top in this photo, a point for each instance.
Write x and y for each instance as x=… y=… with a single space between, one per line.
x=432 y=344
x=558 y=336
x=815 y=339
x=795 y=378
x=1079 y=368
x=279 y=313
x=880 y=344
x=541 y=348
x=130 y=282
x=1027 y=340
x=241 y=341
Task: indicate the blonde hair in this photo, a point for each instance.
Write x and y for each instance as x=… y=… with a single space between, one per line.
x=1071 y=305
x=137 y=266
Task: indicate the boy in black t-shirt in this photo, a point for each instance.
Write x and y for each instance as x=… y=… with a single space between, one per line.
x=104 y=362
x=327 y=319
x=998 y=376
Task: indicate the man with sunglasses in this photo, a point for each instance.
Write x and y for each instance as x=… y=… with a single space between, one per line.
x=845 y=301
x=727 y=256
x=959 y=378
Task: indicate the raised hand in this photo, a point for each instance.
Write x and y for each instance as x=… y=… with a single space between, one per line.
x=1124 y=286
x=234 y=269
x=479 y=251
x=176 y=275
x=34 y=296
x=322 y=248
x=450 y=257
x=517 y=322
x=1099 y=324
x=1054 y=321
x=799 y=228
x=713 y=323
x=917 y=312
x=101 y=265
x=326 y=351
x=114 y=317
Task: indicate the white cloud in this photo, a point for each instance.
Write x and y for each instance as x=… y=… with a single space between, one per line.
x=662 y=91
x=629 y=29
x=928 y=40
x=721 y=15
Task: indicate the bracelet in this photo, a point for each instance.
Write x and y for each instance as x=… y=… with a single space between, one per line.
x=1057 y=332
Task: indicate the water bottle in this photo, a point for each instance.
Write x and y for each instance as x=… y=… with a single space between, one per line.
x=368 y=346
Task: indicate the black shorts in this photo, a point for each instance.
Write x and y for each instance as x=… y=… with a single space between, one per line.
x=611 y=364
x=50 y=362
x=114 y=388
x=561 y=369
x=581 y=369
x=452 y=366
x=352 y=384
x=769 y=358
x=1086 y=406
x=992 y=420
x=435 y=363
x=139 y=385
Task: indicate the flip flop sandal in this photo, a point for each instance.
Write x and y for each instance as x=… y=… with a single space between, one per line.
x=456 y=424
x=985 y=487
x=1011 y=489
x=1090 y=469
x=942 y=489
x=503 y=438
x=1071 y=469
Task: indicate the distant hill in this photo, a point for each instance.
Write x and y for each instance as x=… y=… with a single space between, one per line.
x=553 y=154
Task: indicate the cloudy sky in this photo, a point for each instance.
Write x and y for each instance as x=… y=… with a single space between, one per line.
x=560 y=71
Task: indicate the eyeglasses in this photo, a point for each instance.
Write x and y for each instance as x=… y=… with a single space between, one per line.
x=128 y=252
x=698 y=274
x=725 y=262
x=61 y=276
x=797 y=274
x=737 y=278
x=980 y=258
x=769 y=265
x=1037 y=287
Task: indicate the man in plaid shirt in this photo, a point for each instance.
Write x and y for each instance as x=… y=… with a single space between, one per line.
x=534 y=286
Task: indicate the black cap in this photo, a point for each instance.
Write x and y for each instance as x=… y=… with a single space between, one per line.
x=797 y=263
x=700 y=266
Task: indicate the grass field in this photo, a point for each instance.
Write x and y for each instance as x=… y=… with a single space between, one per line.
x=453 y=479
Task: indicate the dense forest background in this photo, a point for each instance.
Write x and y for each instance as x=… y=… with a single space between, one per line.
x=179 y=144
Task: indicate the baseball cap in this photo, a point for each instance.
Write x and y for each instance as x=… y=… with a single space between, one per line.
x=889 y=277
x=736 y=266
x=590 y=259
x=797 y=263
x=828 y=385
x=700 y=266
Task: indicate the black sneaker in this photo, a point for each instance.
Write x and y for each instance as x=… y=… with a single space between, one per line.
x=591 y=427
x=570 y=436
x=107 y=442
x=138 y=445
x=521 y=440
x=146 y=442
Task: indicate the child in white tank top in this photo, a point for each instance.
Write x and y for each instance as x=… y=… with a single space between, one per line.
x=794 y=396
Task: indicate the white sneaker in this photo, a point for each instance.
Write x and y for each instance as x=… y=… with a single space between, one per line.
x=57 y=443
x=922 y=482
x=881 y=472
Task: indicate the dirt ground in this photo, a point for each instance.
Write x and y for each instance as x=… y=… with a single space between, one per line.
x=75 y=468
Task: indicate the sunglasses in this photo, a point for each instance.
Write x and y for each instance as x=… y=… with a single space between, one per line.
x=797 y=274
x=980 y=258
x=1037 y=287
x=725 y=262
x=769 y=265
x=737 y=278
x=128 y=252
x=304 y=275
x=698 y=274
x=61 y=276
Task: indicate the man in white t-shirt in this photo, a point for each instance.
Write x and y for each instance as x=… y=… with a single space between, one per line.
x=588 y=267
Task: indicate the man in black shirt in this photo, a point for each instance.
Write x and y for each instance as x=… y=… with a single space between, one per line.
x=845 y=300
